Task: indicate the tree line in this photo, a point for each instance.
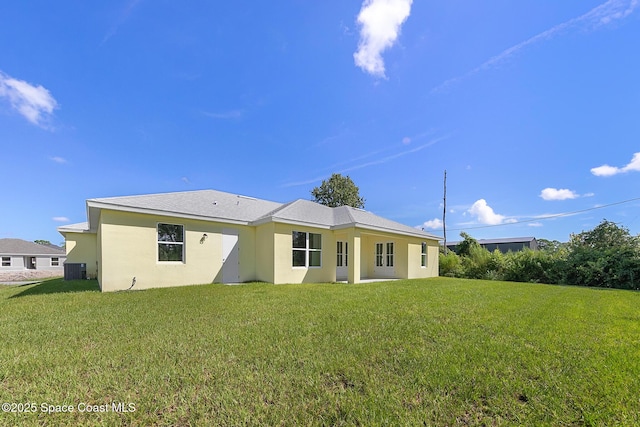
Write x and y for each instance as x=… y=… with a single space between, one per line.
x=607 y=256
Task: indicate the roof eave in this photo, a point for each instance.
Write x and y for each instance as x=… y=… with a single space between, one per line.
x=60 y=254
x=64 y=229
x=417 y=234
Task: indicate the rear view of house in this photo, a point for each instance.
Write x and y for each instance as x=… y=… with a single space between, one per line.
x=20 y=255
x=210 y=236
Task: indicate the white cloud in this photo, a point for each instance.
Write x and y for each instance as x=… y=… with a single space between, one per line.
x=558 y=194
x=606 y=170
x=486 y=215
x=58 y=159
x=35 y=103
x=535 y=224
x=60 y=219
x=433 y=224
x=380 y=22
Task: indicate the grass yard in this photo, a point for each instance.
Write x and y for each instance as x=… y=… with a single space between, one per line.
x=418 y=352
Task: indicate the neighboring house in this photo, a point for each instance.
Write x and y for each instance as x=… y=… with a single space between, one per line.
x=19 y=255
x=208 y=236
x=513 y=244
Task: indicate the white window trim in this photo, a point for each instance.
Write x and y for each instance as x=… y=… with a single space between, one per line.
x=425 y=254
x=57 y=264
x=158 y=243
x=390 y=256
x=2 y=261
x=385 y=256
x=307 y=251
x=343 y=253
x=379 y=254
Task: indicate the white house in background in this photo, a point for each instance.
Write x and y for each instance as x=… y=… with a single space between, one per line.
x=18 y=255
x=207 y=236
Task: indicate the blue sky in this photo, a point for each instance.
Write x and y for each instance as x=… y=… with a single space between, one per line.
x=532 y=107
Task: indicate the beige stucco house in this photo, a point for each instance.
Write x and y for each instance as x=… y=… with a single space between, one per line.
x=209 y=236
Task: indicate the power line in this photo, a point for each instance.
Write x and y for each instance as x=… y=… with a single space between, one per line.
x=542 y=218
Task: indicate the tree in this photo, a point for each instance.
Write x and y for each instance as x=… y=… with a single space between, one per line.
x=551 y=246
x=338 y=191
x=464 y=247
x=42 y=242
x=607 y=256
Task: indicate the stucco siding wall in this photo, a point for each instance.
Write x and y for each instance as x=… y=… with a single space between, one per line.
x=433 y=258
x=367 y=256
x=407 y=257
x=247 y=244
x=130 y=249
x=369 y=268
x=414 y=259
x=99 y=255
x=284 y=272
x=264 y=249
x=82 y=248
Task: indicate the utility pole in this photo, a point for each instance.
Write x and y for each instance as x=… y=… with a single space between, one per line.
x=444 y=213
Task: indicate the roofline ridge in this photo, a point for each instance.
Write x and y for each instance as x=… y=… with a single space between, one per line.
x=155 y=194
x=271 y=213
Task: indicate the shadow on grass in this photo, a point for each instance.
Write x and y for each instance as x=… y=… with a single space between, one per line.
x=58 y=286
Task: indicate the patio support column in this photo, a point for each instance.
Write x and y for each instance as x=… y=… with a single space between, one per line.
x=353 y=275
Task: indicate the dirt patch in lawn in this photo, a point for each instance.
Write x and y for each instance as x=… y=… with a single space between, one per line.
x=27 y=275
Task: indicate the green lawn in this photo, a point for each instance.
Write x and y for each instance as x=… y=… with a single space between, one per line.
x=419 y=352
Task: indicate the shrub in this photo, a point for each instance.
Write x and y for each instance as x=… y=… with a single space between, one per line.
x=528 y=266
x=480 y=263
x=607 y=256
x=450 y=265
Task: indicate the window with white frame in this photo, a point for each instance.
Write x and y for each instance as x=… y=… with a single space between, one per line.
x=170 y=242
x=306 y=249
x=342 y=252
x=6 y=261
x=423 y=255
x=390 y=254
x=55 y=261
x=384 y=254
x=379 y=254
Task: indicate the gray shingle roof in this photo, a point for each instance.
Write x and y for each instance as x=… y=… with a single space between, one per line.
x=81 y=226
x=227 y=207
x=368 y=219
x=302 y=211
x=23 y=247
x=205 y=203
x=314 y=214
